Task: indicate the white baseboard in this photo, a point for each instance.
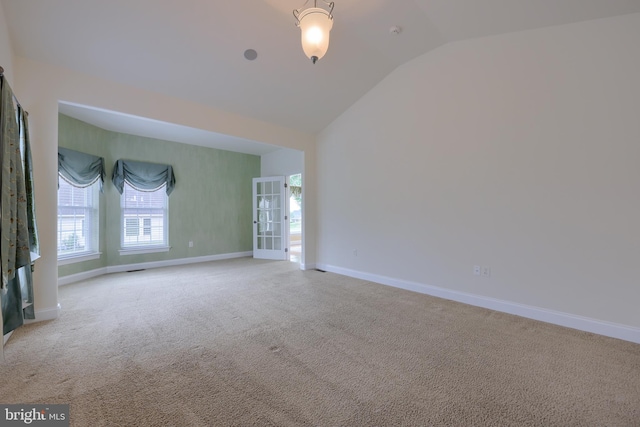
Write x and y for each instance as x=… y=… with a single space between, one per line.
x=85 y=275
x=46 y=314
x=72 y=278
x=179 y=261
x=614 y=330
x=307 y=266
x=6 y=337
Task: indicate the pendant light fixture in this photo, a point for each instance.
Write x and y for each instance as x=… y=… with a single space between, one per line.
x=315 y=25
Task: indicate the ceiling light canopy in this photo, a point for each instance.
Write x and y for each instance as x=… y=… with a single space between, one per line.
x=315 y=25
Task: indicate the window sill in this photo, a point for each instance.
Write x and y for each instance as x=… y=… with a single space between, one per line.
x=72 y=259
x=144 y=250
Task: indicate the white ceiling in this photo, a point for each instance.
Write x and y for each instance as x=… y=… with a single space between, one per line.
x=193 y=49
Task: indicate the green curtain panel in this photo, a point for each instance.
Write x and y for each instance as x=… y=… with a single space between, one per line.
x=26 y=281
x=17 y=223
x=143 y=176
x=80 y=169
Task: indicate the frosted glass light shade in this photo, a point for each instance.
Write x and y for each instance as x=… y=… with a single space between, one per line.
x=315 y=25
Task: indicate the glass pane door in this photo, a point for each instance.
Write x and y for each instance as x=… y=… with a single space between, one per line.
x=269 y=203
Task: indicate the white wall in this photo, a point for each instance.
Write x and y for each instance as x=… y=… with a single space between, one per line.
x=519 y=152
x=282 y=162
x=6 y=52
x=41 y=86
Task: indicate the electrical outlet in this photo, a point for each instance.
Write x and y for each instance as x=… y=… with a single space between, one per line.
x=486 y=271
x=190 y=243
x=476 y=270
x=355 y=252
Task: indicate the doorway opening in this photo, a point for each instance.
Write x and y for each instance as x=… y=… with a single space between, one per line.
x=295 y=218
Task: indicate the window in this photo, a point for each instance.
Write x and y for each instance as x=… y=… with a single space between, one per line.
x=144 y=218
x=78 y=222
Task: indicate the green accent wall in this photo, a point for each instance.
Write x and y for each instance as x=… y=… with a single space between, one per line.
x=211 y=204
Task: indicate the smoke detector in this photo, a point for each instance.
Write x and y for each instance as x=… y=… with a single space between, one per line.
x=395 y=30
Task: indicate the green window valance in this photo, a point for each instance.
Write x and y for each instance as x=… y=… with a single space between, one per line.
x=143 y=176
x=80 y=169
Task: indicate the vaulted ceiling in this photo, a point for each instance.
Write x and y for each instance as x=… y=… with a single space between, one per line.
x=193 y=49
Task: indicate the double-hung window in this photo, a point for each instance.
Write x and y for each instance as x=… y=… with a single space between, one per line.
x=144 y=199
x=78 y=220
x=144 y=217
x=80 y=179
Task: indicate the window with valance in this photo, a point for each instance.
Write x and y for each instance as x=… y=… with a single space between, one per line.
x=82 y=178
x=144 y=189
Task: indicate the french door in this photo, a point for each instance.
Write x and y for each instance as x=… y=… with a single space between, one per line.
x=269 y=218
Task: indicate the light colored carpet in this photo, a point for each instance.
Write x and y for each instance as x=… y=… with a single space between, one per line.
x=245 y=342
